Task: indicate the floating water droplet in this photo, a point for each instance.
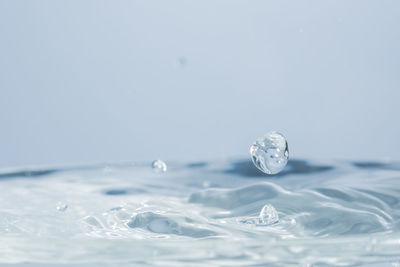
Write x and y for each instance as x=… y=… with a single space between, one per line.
x=159 y=166
x=270 y=153
x=268 y=215
x=62 y=207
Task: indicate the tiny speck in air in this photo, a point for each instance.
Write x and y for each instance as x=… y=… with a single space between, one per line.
x=182 y=61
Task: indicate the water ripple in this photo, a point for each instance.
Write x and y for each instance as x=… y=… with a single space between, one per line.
x=314 y=213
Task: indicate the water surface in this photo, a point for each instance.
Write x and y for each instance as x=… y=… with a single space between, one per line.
x=202 y=213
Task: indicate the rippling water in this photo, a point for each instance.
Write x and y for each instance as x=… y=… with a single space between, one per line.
x=204 y=213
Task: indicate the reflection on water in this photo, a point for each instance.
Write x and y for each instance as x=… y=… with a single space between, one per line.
x=377 y=165
x=204 y=213
x=246 y=168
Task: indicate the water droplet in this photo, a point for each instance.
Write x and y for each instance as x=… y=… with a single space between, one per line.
x=159 y=166
x=270 y=153
x=268 y=215
x=62 y=207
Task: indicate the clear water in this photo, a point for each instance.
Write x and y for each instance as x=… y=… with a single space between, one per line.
x=205 y=213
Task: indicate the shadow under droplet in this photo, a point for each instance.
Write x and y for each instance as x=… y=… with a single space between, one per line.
x=126 y=191
x=376 y=165
x=246 y=168
x=197 y=165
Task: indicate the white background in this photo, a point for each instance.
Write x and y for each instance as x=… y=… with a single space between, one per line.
x=91 y=81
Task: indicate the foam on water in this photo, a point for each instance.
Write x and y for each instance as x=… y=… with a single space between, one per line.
x=217 y=213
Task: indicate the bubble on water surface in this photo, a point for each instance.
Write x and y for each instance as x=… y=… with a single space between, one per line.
x=62 y=207
x=270 y=153
x=268 y=215
x=159 y=166
x=162 y=224
x=93 y=222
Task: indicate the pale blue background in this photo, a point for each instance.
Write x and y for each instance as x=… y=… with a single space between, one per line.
x=89 y=81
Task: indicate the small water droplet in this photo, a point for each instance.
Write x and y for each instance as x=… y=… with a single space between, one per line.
x=268 y=215
x=159 y=166
x=62 y=207
x=270 y=153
